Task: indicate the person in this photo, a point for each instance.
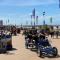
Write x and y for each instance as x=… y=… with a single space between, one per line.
x=42 y=34
x=52 y=34
x=57 y=33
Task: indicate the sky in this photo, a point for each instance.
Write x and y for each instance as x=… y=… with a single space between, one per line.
x=19 y=11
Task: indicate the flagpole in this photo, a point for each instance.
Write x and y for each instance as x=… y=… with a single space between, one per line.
x=51 y=20
x=36 y=20
x=44 y=18
x=31 y=20
x=15 y=23
x=6 y=22
x=26 y=22
x=34 y=16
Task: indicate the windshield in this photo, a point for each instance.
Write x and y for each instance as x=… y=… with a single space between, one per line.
x=44 y=43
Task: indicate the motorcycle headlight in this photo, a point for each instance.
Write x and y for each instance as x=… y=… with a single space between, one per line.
x=46 y=47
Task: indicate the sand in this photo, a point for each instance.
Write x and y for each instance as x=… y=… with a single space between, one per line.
x=21 y=53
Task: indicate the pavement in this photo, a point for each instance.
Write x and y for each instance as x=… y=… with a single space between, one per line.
x=19 y=51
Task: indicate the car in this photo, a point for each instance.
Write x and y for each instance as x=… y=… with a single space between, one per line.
x=45 y=49
x=7 y=40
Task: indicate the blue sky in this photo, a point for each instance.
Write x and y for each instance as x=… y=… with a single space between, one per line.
x=19 y=11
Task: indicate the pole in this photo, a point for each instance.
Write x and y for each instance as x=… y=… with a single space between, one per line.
x=34 y=16
x=31 y=20
x=26 y=22
x=51 y=20
x=15 y=22
x=44 y=18
x=6 y=22
x=36 y=20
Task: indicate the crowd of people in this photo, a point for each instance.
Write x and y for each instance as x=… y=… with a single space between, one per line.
x=34 y=37
x=42 y=32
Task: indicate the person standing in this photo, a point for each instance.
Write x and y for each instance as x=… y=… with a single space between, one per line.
x=57 y=34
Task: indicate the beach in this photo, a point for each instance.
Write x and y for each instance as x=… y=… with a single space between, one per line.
x=19 y=51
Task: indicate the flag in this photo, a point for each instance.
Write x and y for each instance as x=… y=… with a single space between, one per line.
x=51 y=20
x=36 y=19
x=59 y=3
x=33 y=13
x=43 y=13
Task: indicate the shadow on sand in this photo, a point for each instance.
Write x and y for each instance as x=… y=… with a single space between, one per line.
x=9 y=53
x=58 y=56
x=34 y=50
x=13 y=49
